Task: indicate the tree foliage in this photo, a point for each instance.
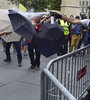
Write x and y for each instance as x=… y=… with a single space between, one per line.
x=39 y=5
x=55 y=4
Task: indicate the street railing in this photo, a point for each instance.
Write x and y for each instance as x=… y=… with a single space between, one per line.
x=66 y=77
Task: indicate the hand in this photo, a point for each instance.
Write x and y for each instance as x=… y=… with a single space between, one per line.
x=5 y=33
x=56 y=15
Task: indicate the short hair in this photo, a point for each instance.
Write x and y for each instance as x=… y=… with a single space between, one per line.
x=77 y=17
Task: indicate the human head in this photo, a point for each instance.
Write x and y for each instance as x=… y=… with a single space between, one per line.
x=71 y=16
x=83 y=15
x=37 y=19
x=77 y=17
x=65 y=15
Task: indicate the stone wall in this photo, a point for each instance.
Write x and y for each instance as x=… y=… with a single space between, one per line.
x=71 y=11
x=72 y=7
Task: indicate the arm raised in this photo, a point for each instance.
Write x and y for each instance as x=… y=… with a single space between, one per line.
x=3 y=33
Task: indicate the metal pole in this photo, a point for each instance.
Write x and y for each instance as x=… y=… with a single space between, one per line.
x=62 y=89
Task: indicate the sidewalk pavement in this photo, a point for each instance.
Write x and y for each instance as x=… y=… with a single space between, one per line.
x=20 y=83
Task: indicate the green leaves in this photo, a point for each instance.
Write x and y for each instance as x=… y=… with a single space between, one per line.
x=39 y=5
x=55 y=4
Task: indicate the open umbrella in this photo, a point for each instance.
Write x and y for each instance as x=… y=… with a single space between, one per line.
x=50 y=39
x=4 y=19
x=5 y=25
x=22 y=25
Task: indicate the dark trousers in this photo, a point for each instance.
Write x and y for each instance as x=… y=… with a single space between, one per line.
x=34 y=58
x=89 y=89
x=64 y=47
x=18 y=50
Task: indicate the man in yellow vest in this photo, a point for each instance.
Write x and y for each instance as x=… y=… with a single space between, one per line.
x=65 y=25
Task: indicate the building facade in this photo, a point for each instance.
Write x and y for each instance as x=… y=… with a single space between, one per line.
x=74 y=7
x=5 y=4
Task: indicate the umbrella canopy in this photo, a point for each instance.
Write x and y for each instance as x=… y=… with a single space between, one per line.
x=22 y=25
x=51 y=31
x=50 y=39
x=5 y=25
x=4 y=19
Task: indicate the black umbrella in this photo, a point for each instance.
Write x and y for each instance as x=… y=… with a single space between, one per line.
x=50 y=39
x=22 y=25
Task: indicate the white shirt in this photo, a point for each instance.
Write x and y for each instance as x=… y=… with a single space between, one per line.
x=85 y=22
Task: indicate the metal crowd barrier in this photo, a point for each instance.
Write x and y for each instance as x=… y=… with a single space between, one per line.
x=66 y=77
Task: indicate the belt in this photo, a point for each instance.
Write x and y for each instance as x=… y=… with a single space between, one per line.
x=76 y=34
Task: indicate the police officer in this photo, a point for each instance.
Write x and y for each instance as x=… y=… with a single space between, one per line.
x=65 y=25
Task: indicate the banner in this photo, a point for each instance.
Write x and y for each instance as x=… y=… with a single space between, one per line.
x=22 y=8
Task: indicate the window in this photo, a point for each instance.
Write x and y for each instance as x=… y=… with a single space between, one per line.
x=82 y=2
x=87 y=3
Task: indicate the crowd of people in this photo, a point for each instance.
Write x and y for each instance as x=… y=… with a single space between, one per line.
x=20 y=43
x=86 y=24
x=75 y=35
x=76 y=32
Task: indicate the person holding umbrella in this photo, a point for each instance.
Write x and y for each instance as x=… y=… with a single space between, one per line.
x=50 y=37
x=13 y=39
x=3 y=42
x=35 y=58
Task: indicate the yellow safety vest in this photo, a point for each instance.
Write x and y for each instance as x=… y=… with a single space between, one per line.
x=65 y=26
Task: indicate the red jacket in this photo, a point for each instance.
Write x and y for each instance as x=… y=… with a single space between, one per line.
x=38 y=28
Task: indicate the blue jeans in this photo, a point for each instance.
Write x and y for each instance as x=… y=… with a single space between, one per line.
x=18 y=50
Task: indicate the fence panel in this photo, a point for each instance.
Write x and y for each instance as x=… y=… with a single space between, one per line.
x=72 y=71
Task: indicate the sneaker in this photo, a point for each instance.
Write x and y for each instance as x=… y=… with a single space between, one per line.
x=19 y=65
x=24 y=54
x=7 y=60
x=32 y=67
x=37 y=68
